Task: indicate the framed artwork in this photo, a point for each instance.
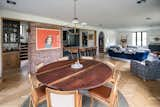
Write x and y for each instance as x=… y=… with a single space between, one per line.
x=48 y=38
x=91 y=35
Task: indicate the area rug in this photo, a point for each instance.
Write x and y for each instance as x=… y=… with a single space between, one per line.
x=86 y=102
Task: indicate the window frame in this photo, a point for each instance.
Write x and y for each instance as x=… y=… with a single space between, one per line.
x=136 y=38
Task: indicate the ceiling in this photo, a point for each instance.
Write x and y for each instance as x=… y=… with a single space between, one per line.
x=112 y=14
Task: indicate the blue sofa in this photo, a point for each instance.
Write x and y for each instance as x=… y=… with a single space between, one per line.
x=137 y=55
x=149 y=70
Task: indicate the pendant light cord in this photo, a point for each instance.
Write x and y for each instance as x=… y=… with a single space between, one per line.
x=75 y=9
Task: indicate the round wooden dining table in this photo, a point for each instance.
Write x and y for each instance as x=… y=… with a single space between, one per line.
x=60 y=76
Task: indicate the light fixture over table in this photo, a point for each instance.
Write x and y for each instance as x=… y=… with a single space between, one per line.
x=75 y=20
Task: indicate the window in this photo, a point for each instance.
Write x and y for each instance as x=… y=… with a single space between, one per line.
x=144 y=38
x=134 y=39
x=139 y=39
x=21 y=29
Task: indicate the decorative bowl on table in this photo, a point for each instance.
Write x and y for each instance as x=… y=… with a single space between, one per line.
x=76 y=65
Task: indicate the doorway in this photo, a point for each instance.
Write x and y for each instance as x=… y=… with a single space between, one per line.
x=101 y=42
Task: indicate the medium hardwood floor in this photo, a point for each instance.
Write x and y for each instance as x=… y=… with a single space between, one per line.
x=15 y=87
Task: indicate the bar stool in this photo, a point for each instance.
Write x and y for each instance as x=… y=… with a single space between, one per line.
x=94 y=49
x=74 y=53
x=88 y=51
x=82 y=51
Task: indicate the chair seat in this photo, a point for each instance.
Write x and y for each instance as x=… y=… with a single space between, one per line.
x=41 y=92
x=101 y=92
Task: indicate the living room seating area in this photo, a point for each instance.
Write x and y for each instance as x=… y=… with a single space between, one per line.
x=148 y=70
x=128 y=53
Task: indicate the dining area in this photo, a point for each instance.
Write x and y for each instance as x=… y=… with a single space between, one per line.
x=78 y=51
x=79 y=82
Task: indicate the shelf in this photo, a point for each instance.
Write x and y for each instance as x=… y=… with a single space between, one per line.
x=23 y=54
x=11 y=35
x=23 y=51
x=23 y=48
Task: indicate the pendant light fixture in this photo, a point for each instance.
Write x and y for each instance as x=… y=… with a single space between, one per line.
x=75 y=20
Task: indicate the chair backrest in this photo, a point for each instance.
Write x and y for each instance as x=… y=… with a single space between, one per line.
x=87 y=57
x=39 y=66
x=82 y=49
x=115 y=67
x=56 y=98
x=33 y=80
x=111 y=65
x=30 y=76
x=114 y=92
x=63 y=58
x=74 y=50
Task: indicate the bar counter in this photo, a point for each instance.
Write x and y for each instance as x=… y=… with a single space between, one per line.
x=85 y=51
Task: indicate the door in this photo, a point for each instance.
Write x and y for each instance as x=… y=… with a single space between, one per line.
x=101 y=42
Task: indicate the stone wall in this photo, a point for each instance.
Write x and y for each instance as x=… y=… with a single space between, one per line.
x=41 y=56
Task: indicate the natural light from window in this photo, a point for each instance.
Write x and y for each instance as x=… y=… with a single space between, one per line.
x=139 y=39
x=133 y=39
x=144 y=38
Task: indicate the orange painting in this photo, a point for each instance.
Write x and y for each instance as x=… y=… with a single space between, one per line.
x=48 y=38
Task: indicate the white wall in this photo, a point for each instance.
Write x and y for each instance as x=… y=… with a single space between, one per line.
x=151 y=34
x=24 y=34
x=109 y=39
x=90 y=42
x=126 y=34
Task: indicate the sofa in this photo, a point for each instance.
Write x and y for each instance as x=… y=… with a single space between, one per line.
x=147 y=70
x=154 y=47
x=128 y=53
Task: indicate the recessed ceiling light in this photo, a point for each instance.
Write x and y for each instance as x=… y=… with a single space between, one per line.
x=148 y=18
x=83 y=23
x=12 y=2
x=100 y=25
x=141 y=1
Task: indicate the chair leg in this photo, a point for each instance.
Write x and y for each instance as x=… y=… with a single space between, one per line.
x=114 y=103
x=92 y=101
x=30 y=102
x=35 y=104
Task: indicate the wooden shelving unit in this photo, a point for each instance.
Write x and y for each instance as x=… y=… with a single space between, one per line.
x=11 y=35
x=10 y=44
x=23 y=51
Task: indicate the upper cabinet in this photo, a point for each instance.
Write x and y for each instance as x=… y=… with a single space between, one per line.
x=11 y=35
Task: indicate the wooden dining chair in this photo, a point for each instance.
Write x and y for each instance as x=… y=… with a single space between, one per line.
x=56 y=98
x=87 y=57
x=63 y=58
x=114 y=67
x=107 y=95
x=38 y=94
x=38 y=66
